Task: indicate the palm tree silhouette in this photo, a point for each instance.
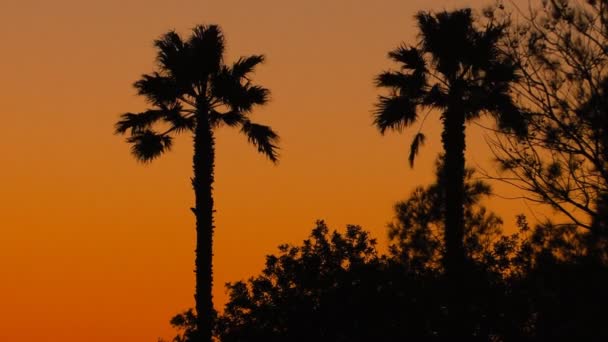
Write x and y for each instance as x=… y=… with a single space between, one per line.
x=456 y=69
x=194 y=91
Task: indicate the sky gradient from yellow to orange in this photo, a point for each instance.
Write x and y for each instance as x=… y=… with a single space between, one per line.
x=96 y=247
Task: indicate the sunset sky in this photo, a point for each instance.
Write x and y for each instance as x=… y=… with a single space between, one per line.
x=97 y=247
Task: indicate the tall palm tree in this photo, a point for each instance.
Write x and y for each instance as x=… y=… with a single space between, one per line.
x=455 y=69
x=193 y=91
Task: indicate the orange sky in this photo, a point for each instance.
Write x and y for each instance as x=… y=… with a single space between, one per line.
x=96 y=247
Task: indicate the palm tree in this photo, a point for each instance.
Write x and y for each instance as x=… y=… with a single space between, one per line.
x=194 y=91
x=456 y=69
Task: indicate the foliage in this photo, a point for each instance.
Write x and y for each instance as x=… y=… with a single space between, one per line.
x=456 y=63
x=192 y=84
x=416 y=233
x=560 y=47
x=333 y=287
x=185 y=324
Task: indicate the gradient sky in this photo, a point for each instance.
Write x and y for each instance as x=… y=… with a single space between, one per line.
x=96 y=247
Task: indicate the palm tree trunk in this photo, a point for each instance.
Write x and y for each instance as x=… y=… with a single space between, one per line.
x=453 y=139
x=203 y=164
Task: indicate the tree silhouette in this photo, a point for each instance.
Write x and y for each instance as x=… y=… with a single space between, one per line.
x=538 y=284
x=416 y=233
x=332 y=287
x=561 y=48
x=456 y=69
x=194 y=91
x=335 y=287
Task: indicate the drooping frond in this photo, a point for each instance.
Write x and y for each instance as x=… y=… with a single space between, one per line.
x=262 y=137
x=137 y=122
x=395 y=113
x=146 y=145
x=157 y=89
x=246 y=65
x=418 y=141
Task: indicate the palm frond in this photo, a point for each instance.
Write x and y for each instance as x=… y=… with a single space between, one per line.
x=435 y=97
x=231 y=118
x=447 y=37
x=246 y=65
x=262 y=137
x=179 y=121
x=418 y=141
x=148 y=145
x=485 y=46
x=395 y=113
x=241 y=97
x=256 y=95
x=410 y=58
x=391 y=79
x=206 y=50
x=411 y=84
x=157 y=89
x=171 y=53
x=137 y=122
